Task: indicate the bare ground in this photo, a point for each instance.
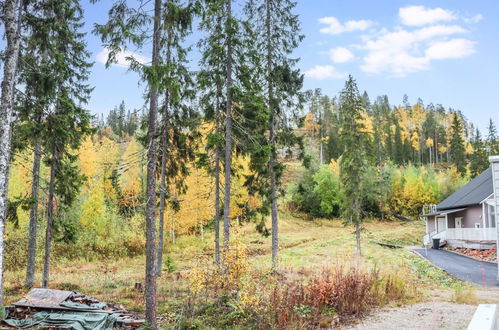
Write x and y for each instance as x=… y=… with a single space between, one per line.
x=428 y=316
x=438 y=313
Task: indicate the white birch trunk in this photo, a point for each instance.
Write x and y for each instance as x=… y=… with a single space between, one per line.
x=11 y=20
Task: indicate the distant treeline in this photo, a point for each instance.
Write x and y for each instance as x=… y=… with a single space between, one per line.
x=416 y=134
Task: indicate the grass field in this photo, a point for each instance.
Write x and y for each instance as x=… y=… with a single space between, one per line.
x=304 y=245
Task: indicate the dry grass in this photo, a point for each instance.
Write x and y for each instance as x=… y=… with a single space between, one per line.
x=305 y=246
x=464 y=294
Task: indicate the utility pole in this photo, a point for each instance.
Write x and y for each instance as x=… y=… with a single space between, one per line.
x=494 y=162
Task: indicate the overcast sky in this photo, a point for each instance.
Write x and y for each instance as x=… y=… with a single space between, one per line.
x=443 y=52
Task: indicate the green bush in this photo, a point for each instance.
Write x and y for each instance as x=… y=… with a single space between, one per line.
x=404 y=190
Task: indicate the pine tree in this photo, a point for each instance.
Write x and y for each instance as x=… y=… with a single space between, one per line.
x=352 y=161
x=479 y=161
x=457 y=149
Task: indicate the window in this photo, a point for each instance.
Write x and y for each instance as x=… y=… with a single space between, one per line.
x=492 y=216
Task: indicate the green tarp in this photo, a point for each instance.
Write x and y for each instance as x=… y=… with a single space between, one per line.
x=75 y=319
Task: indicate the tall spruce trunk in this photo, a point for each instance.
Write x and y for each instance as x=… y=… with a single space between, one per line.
x=217 y=203
x=11 y=19
x=150 y=281
x=33 y=217
x=272 y=137
x=50 y=220
x=228 y=127
x=162 y=197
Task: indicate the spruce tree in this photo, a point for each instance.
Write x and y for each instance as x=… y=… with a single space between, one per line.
x=229 y=26
x=352 y=161
x=479 y=160
x=67 y=122
x=317 y=107
x=457 y=149
x=382 y=145
x=492 y=139
x=211 y=80
x=277 y=31
x=398 y=146
x=125 y=27
x=34 y=103
x=226 y=85
x=179 y=119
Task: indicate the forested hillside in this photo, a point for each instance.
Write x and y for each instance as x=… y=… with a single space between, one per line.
x=405 y=134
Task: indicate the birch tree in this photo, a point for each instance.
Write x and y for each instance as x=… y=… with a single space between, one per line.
x=11 y=21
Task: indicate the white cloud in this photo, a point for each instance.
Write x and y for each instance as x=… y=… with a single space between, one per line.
x=121 y=58
x=420 y=15
x=425 y=35
x=334 y=26
x=454 y=48
x=402 y=51
x=323 y=72
x=474 y=19
x=340 y=55
x=437 y=31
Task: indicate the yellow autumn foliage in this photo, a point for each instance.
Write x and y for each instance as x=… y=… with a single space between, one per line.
x=367 y=123
x=130 y=173
x=232 y=275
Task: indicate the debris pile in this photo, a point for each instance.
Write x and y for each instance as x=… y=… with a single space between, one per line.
x=59 y=309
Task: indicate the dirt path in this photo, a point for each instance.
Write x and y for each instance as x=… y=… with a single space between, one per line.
x=427 y=316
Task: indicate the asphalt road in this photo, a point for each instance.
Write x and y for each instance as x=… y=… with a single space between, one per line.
x=464 y=268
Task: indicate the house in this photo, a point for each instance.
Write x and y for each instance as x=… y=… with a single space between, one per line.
x=466 y=218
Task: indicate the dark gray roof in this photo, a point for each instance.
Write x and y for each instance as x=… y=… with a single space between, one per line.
x=472 y=193
x=443 y=212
